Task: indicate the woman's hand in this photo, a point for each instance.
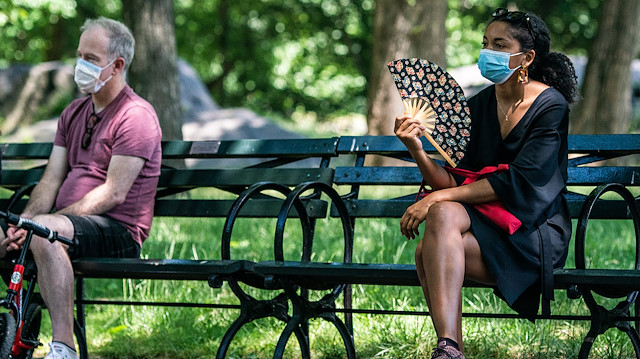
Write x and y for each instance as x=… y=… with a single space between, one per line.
x=409 y=131
x=416 y=214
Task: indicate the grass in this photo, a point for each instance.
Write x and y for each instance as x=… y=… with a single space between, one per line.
x=166 y=332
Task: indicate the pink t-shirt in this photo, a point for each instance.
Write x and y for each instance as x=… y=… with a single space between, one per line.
x=128 y=126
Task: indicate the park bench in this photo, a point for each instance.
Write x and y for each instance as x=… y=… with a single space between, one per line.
x=329 y=166
x=248 y=172
x=579 y=281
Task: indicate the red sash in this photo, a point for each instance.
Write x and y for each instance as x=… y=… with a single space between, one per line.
x=495 y=211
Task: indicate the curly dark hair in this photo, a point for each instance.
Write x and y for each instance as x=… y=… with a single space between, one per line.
x=551 y=68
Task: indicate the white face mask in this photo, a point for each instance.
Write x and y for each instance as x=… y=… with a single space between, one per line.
x=87 y=76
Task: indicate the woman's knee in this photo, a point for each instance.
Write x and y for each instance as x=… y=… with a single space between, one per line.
x=448 y=216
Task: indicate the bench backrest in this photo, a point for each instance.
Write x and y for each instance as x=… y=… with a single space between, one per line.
x=585 y=154
x=229 y=166
x=232 y=166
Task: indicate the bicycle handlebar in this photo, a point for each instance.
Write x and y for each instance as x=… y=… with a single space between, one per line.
x=36 y=228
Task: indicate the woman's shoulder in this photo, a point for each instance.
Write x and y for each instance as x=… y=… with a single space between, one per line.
x=549 y=97
x=483 y=95
x=479 y=102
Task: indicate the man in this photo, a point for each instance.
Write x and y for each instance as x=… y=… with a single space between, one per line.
x=101 y=177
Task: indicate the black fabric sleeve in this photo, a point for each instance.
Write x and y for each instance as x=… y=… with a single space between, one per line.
x=535 y=178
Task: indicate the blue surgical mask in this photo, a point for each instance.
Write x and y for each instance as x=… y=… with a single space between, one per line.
x=87 y=76
x=494 y=65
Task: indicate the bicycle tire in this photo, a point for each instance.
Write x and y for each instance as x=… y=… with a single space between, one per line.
x=31 y=329
x=7 y=334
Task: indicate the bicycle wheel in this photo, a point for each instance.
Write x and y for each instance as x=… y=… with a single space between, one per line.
x=31 y=329
x=7 y=334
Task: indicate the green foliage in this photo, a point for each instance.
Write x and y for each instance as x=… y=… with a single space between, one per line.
x=279 y=57
x=572 y=25
x=466 y=23
x=27 y=28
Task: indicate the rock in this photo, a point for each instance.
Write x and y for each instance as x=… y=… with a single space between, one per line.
x=28 y=92
x=32 y=93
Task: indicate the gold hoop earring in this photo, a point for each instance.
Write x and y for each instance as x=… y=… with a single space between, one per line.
x=523 y=75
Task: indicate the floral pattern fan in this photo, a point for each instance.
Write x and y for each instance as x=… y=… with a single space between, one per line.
x=432 y=96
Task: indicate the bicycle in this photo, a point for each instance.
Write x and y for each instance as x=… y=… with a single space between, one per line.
x=19 y=328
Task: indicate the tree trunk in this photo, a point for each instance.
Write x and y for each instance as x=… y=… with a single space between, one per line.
x=606 y=90
x=154 y=71
x=402 y=29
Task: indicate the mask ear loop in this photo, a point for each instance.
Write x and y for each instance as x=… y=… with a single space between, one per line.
x=99 y=83
x=107 y=65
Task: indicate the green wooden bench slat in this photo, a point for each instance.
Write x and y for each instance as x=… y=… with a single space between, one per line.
x=389 y=208
x=596 y=144
x=181 y=178
x=255 y=208
x=334 y=273
x=377 y=175
x=252 y=148
x=604 y=144
x=623 y=279
x=217 y=208
x=187 y=178
x=629 y=176
x=411 y=175
x=323 y=275
x=201 y=149
x=376 y=145
x=17 y=178
x=22 y=151
x=169 y=269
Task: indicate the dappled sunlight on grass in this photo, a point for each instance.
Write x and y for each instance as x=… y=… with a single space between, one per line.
x=161 y=332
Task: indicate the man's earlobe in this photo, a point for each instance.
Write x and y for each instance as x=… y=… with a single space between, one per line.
x=119 y=64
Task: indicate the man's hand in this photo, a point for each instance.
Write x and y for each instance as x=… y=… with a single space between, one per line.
x=15 y=239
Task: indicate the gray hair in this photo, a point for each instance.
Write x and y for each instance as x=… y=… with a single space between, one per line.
x=121 y=41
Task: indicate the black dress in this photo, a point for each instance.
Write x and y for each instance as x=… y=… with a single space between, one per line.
x=532 y=189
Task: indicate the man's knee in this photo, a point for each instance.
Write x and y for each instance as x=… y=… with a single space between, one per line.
x=55 y=222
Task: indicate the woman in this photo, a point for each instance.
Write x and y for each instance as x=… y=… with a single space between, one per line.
x=521 y=121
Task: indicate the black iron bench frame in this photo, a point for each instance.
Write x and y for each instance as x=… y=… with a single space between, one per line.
x=577 y=282
x=292 y=281
x=274 y=165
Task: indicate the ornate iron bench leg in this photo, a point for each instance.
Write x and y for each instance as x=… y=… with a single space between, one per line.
x=603 y=319
x=293 y=326
x=79 y=325
x=304 y=310
x=252 y=309
x=633 y=336
x=345 y=333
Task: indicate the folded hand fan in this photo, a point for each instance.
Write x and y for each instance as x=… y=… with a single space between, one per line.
x=432 y=96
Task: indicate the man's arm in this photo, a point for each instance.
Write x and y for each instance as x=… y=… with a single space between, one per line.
x=44 y=194
x=121 y=174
